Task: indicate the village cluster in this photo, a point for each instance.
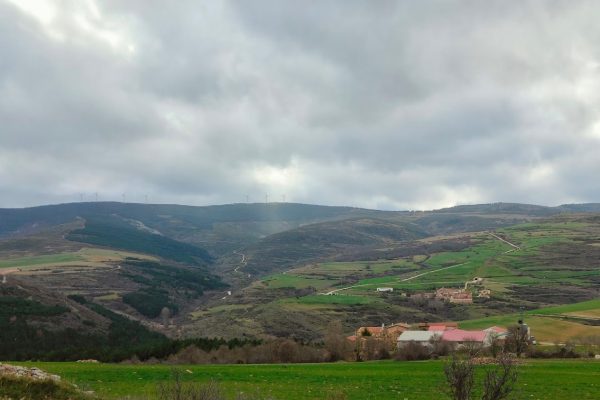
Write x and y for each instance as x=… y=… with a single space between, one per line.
x=452 y=295
x=428 y=334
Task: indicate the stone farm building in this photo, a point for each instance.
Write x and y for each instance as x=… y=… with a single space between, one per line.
x=385 y=333
x=456 y=296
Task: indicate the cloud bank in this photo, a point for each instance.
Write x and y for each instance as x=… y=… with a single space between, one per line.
x=388 y=104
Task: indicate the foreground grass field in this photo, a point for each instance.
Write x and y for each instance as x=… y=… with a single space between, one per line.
x=370 y=380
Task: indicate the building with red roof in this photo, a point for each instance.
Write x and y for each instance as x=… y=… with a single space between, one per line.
x=460 y=337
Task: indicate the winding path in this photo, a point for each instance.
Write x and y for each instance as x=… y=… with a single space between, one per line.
x=243 y=262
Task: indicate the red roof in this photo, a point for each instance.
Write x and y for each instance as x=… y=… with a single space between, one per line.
x=437 y=328
x=458 y=335
x=373 y=330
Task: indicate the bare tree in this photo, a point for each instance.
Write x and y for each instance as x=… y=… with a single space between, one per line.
x=495 y=344
x=471 y=347
x=165 y=314
x=335 y=342
x=459 y=376
x=500 y=381
x=590 y=343
x=517 y=339
x=177 y=389
x=370 y=348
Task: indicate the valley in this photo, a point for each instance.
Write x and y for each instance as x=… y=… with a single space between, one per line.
x=287 y=270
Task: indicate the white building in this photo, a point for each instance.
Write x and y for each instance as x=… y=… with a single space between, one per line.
x=425 y=338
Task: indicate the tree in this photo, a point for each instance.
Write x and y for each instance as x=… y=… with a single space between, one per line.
x=500 y=381
x=495 y=344
x=165 y=314
x=459 y=377
x=178 y=389
x=472 y=347
x=335 y=342
x=517 y=339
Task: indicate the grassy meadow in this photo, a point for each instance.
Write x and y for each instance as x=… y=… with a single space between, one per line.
x=551 y=324
x=547 y=379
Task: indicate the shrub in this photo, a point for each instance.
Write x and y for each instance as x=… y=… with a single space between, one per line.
x=23 y=388
x=177 y=389
x=413 y=351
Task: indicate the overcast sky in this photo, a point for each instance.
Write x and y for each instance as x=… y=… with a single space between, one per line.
x=380 y=104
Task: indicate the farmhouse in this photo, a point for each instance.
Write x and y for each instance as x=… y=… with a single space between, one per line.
x=461 y=298
x=387 y=333
x=497 y=332
x=457 y=296
x=432 y=326
x=460 y=337
x=425 y=338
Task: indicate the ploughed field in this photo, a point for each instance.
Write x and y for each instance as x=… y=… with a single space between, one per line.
x=538 y=379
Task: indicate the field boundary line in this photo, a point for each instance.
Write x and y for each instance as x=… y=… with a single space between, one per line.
x=514 y=246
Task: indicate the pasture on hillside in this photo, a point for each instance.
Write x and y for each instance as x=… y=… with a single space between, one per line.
x=87 y=256
x=550 y=262
x=548 y=379
x=551 y=324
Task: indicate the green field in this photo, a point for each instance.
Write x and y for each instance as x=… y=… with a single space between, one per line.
x=556 y=263
x=549 y=324
x=336 y=299
x=569 y=308
x=24 y=262
x=552 y=379
x=295 y=281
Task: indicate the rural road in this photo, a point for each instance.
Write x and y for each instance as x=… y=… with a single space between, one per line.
x=242 y=262
x=514 y=246
x=400 y=280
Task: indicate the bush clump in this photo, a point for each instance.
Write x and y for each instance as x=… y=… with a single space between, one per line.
x=29 y=389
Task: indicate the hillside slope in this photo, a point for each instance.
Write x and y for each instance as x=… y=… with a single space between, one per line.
x=327 y=239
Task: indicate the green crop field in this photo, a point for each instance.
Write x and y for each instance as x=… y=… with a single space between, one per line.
x=548 y=379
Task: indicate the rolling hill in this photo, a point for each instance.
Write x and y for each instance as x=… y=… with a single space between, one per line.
x=266 y=266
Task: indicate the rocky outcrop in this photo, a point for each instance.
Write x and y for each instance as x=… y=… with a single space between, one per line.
x=35 y=374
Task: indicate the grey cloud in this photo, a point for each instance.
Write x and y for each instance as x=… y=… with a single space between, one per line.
x=393 y=104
